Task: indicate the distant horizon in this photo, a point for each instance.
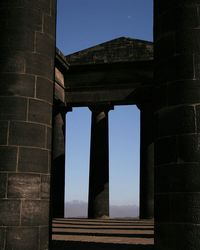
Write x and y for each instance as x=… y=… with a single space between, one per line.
x=77 y=208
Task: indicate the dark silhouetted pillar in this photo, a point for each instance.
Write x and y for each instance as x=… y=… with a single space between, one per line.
x=58 y=168
x=27 y=52
x=146 y=162
x=177 y=145
x=98 y=204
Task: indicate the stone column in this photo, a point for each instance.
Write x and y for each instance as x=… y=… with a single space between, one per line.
x=27 y=52
x=146 y=161
x=98 y=203
x=58 y=168
x=177 y=148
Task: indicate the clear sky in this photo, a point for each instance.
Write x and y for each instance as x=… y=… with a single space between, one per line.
x=82 y=24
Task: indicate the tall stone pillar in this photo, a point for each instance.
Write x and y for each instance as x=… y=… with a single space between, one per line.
x=27 y=51
x=98 y=203
x=58 y=168
x=177 y=151
x=146 y=161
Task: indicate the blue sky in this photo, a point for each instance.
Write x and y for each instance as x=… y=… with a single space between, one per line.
x=82 y=24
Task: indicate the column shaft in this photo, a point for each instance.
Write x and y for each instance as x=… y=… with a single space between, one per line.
x=177 y=171
x=58 y=168
x=27 y=50
x=146 y=162
x=98 y=204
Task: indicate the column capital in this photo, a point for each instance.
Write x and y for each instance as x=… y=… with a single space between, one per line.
x=61 y=107
x=100 y=107
x=144 y=105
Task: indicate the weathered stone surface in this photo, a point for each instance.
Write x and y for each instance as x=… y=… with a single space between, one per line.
x=13 y=217
x=49 y=26
x=13 y=108
x=3 y=182
x=188 y=148
x=33 y=160
x=2 y=237
x=17 y=84
x=24 y=41
x=14 y=18
x=49 y=138
x=186 y=236
x=44 y=44
x=27 y=134
x=4 y=132
x=35 y=213
x=40 y=112
x=164 y=145
x=184 y=92
x=177 y=64
x=177 y=120
x=24 y=186
x=22 y=238
x=45 y=186
x=25 y=62
x=172 y=180
x=11 y=63
x=44 y=89
x=44 y=238
x=8 y=153
x=171 y=69
x=39 y=65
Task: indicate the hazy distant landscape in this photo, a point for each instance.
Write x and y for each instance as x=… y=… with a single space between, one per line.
x=79 y=209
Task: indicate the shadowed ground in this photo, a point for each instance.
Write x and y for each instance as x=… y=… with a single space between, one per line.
x=102 y=234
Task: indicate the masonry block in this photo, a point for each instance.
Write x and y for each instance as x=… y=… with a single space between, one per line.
x=49 y=26
x=171 y=178
x=175 y=68
x=24 y=186
x=22 y=238
x=14 y=18
x=44 y=44
x=8 y=158
x=4 y=132
x=45 y=186
x=183 y=92
x=188 y=148
x=23 y=40
x=186 y=236
x=177 y=120
x=39 y=65
x=49 y=138
x=17 y=84
x=165 y=150
x=44 y=238
x=44 y=89
x=35 y=212
x=11 y=63
x=2 y=237
x=40 y=112
x=27 y=134
x=13 y=108
x=162 y=208
x=3 y=182
x=10 y=212
x=185 y=207
x=33 y=160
